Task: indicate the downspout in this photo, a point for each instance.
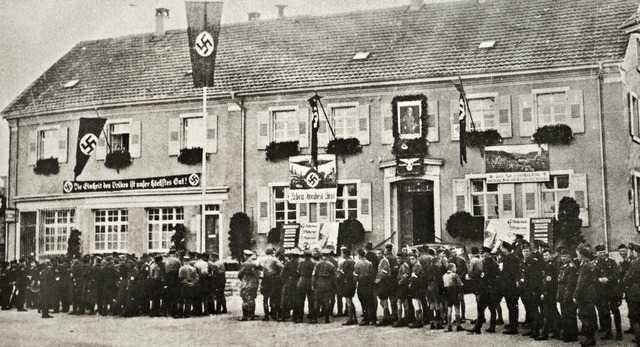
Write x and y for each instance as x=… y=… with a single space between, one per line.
x=603 y=171
x=243 y=139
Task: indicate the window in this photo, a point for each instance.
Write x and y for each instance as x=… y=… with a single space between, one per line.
x=193 y=134
x=552 y=108
x=110 y=230
x=48 y=144
x=483 y=111
x=284 y=212
x=347 y=202
x=57 y=225
x=161 y=222
x=636 y=198
x=634 y=117
x=552 y=192
x=285 y=125
x=345 y=121
x=484 y=199
x=119 y=136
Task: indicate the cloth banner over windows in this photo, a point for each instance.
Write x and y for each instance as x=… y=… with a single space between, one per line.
x=308 y=184
x=517 y=163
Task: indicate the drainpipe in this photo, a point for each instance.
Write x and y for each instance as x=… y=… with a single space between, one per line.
x=240 y=103
x=603 y=171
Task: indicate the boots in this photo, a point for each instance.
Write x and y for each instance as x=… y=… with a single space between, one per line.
x=418 y=322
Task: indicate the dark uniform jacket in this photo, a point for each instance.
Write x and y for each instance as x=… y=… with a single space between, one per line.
x=587 y=281
x=531 y=276
x=567 y=280
x=632 y=282
x=490 y=277
x=305 y=270
x=324 y=278
x=346 y=280
x=608 y=268
x=510 y=274
x=550 y=280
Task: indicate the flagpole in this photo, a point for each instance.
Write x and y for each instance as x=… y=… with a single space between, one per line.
x=203 y=176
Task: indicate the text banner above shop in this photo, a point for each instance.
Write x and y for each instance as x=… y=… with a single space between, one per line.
x=180 y=181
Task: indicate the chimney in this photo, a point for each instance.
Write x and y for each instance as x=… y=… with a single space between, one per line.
x=281 y=10
x=161 y=14
x=416 y=5
x=254 y=16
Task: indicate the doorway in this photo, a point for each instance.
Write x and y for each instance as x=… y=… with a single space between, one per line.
x=212 y=228
x=416 y=212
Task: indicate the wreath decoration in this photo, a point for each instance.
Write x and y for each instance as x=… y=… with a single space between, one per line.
x=482 y=138
x=409 y=146
x=340 y=146
x=557 y=134
x=190 y=156
x=280 y=150
x=49 y=166
x=118 y=160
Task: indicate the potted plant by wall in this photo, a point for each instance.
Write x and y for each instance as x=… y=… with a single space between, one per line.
x=275 y=235
x=239 y=235
x=462 y=225
x=49 y=166
x=118 y=160
x=190 y=156
x=557 y=134
x=280 y=150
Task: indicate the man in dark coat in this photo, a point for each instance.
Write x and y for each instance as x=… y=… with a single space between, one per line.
x=347 y=285
x=270 y=286
x=91 y=283
x=324 y=284
x=549 y=307
x=220 y=281
x=363 y=273
x=608 y=293
x=22 y=281
x=487 y=291
x=585 y=296
x=248 y=276
x=567 y=279
x=530 y=287
x=46 y=289
x=385 y=286
x=289 y=279
x=305 y=270
x=509 y=277
x=632 y=283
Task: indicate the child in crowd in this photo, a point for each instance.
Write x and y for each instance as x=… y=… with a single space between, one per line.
x=452 y=287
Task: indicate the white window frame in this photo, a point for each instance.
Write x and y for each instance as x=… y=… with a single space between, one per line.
x=272 y=123
x=53 y=148
x=556 y=194
x=183 y=130
x=274 y=201
x=496 y=111
x=61 y=230
x=634 y=118
x=636 y=199
x=119 y=229
x=110 y=123
x=163 y=235
x=331 y=114
x=346 y=200
x=484 y=194
x=536 y=94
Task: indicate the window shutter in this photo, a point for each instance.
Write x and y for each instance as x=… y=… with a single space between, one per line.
x=530 y=200
x=211 y=144
x=527 y=121
x=454 y=112
x=504 y=116
x=460 y=194
x=263 y=129
x=303 y=127
x=386 y=112
x=506 y=202
x=363 y=124
x=174 y=136
x=576 y=109
x=364 y=208
x=323 y=131
x=101 y=150
x=579 y=193
x=263 y=210
x=136 y=130
x=432 y=121
x=303 y=212
x=33 y=148
x=63 y=144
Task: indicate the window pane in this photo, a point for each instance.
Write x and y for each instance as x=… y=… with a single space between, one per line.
x=477 y=185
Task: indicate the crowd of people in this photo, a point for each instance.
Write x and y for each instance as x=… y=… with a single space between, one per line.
x=423 y=286
x=116 y=284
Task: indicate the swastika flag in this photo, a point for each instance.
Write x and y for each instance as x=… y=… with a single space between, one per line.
x=203 y=19
x=88 y=134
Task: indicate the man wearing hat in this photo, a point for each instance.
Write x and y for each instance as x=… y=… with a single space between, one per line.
x=487 y=292
x=530 y=286
x=509 y=277
x=567 y=279
x=585 y=296
x=324 y=284
x=248 y=276
x=289 y=278
x=608 y=293
x=46 y=288
x=347 y=286
x=632 y=283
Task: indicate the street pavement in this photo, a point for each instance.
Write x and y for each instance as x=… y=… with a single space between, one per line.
x=28 y=329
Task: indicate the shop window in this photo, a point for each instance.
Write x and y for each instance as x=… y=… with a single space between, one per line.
x=110 y=230
x=161 y=222
x=57 y=225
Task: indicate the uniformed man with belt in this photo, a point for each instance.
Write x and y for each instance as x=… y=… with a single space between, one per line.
x=385 y=288
x=363 y=272
x=549 y=307
x=271 y=286
x=402 y=292
x=585 y=296
x=509 y=277
x=248 y=275
x=324 y=284
x=347 y=285
x=530 y=287
x=289 y=279
x=305 y=271
x=567 y=279
x=487 y=292
x=608 y=293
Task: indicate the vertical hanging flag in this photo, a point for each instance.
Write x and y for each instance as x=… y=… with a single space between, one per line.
x=315 y=122
x=462 y=120
x=88 y=134
x=203 y=18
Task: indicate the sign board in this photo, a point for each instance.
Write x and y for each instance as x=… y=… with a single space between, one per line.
x=309 y=235
x=542 y=229
x=10 y=215
x=290 y=235
x=309 y=184
x=312 y=195
x=517 y=163
x=329 y=234
x=409 y=166
x=180 y=181
x=497 y=230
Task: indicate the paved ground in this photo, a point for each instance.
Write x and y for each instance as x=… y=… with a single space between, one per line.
x=27 y=329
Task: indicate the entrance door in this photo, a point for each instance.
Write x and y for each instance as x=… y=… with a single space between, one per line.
x=27 y=234
x=211 y=232
x=415 y=201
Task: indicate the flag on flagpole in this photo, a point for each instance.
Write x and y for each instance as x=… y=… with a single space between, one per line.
x=203 y=19
x=462 y=120
x=315 y=123
x=88 y=134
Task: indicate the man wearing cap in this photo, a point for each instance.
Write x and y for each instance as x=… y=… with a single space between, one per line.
x=220 y=282
x=530 y=286
x=248 y=275
x=509 y=277
x=289 y=278
x=304 y=289
x=585 y=296
x=324 y=284
x=461 y=270
x=567 y=279
x=417 y=286
x=384 y=284
x=347 y=285
x=549 y=307
x=487 y=292
x=632 y=283
x=189 y=278
x=608 y=293
x=363 y=273
x=46 y=289
x=374 y=259
x=156 y=278
x=271 y=286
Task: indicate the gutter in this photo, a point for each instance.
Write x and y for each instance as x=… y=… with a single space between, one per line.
x=603 y=170
x=265 y=92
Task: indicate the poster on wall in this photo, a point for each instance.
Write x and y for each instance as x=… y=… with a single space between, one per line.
x=318 y=235
x=498 y=230
x=517 y=163
x=308 y=184
x=290 y=235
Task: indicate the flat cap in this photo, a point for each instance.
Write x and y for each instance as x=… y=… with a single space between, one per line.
x=600 y=248
x=247 y=252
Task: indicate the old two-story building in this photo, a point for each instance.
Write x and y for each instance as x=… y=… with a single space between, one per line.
x=524 y=65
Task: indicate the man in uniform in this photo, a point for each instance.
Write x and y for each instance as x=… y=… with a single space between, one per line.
x=487 y=291
x=530 y=287
x=385 y=288
x=549 y=307
x=567 y=279
x=156 y=286
x=417 y=285
x=347 y=286
x=461 y=270
x=509 y=277
x=289 y=279
x=271 y=286
x=46 y=289
x=189 y=279
x=305 y=270
x=248 y=275
x=324 y=284
x=632 y=283
x=372 y=256
x=585 y=296
x=172 y=280
x=608 y=293
x=220 y=279
x=364 y=275
x=625 y=263
x=22 y=281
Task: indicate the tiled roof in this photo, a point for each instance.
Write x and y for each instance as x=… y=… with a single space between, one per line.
x=439 y=40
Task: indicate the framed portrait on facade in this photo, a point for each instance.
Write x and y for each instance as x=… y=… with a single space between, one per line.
x=409 y=120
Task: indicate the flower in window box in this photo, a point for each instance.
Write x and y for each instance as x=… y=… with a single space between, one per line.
x=557 y=134
x=190 y=156
x=46 y=167
x=482 y=138
x=340 y=146
x=118 y=160
x=280 y=150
